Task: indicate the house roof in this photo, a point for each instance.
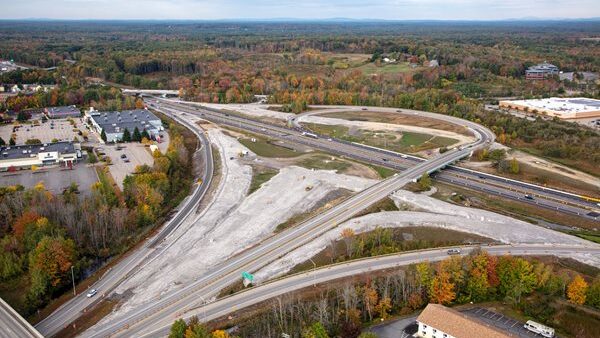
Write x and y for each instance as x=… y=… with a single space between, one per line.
x=457 y=324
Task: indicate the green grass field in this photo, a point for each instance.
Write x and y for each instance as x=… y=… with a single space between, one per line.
x=261 y=176
x=324 y=162
x=401 y=142
x=371 y=68
x=266 y=148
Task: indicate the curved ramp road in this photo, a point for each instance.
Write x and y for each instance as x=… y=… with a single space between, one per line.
x=548 y=198
x=279 y=244
x=12 y=325
x=72 y=309
x=329 y=273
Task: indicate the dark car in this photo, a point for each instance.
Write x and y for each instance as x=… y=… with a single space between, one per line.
x=529 y=197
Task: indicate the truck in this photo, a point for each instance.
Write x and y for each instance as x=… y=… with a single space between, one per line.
x=307 y=134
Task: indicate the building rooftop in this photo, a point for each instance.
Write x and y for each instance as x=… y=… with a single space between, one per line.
x=63 y=111
x=543 y=66
x=27 y=150
x=116 y=122
x=567 y=105
x=123 y=116
x=457 y=324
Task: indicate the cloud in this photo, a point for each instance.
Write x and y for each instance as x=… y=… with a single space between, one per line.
x=306 y=9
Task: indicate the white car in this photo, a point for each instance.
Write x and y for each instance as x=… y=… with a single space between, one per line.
x=453 y=252
x=92 y=293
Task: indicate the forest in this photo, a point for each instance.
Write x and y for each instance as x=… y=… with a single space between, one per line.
x=297 y=64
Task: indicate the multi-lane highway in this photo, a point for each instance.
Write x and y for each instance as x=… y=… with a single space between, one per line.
x=72 y=309
x=12 y=325
x=292 y=283
x=553 y=199
x=280 y=244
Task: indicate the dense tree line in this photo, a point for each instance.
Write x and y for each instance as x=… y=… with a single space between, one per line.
x=342 y=311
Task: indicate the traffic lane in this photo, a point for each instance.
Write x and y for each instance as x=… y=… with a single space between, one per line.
x=302 y=280
x=515 y=195
x=12 y=325
x=524 y=187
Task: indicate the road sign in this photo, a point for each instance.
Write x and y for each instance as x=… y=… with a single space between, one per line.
x=248 y=276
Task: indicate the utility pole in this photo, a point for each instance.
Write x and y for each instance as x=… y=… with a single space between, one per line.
x=73 y=278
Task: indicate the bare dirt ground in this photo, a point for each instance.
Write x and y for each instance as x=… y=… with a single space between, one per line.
x=401 y=119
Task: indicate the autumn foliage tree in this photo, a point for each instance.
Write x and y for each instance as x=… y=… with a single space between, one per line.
x=576 y=290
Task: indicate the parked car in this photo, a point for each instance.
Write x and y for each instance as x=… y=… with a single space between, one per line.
x=123 y=156
x=92 y=293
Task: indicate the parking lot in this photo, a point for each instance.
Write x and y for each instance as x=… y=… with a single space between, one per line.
x=501 y=322
x=60 y=129
x=135 y=153
x=55 y=179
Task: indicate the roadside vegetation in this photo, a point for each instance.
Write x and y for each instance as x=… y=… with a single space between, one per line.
x=549 y=291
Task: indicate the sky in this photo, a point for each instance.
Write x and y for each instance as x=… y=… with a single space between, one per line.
x=300 y=9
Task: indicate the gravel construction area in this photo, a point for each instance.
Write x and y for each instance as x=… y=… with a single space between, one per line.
x=378 y=126
x=434 y=213
x=232 y=222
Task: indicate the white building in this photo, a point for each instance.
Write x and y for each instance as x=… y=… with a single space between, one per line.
x=438 y=321
x=39 y=155
x=563 y=108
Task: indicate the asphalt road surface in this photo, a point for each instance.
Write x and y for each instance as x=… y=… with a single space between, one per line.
x=72 y=309
x=12 y=325
x=329 y=273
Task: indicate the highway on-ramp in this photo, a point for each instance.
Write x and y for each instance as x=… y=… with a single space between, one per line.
x=278 y=287
x=71 y=310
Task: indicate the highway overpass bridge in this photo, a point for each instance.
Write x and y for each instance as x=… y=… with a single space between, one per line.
x=163 y=92
x=13 y=325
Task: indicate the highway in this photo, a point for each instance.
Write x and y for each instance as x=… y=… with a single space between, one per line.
x=544 y=197
x=12 y=325
x=71 y=310
x=278 y=287
x=279 y=244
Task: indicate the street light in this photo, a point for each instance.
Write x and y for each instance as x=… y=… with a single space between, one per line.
x=73 y=278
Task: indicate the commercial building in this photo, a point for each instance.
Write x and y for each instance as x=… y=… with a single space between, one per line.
x=438 y=321
x=62 y=112
x=541 y=71
x=39 y=155
x=114 y=124
x=563 y=108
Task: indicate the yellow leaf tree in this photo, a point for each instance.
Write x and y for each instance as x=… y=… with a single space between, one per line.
x=576 y=290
